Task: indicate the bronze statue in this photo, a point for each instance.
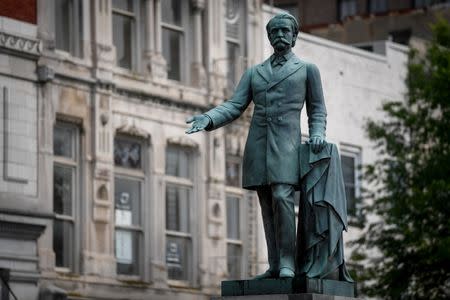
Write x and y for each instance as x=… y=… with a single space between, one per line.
x=279 y=88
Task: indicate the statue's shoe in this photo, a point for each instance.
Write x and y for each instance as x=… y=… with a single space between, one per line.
x=266 y=275
x=286 y=273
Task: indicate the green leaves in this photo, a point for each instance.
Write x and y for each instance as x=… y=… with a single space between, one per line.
x=411 y=202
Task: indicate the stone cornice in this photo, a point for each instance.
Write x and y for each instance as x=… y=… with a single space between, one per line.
x=20 y=230
x=20 y=44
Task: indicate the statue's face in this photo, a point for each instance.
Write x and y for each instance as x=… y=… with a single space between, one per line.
x=281 y=35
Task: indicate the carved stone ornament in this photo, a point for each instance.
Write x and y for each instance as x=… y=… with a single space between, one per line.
x=182 y=141
x=132 y=129
x=20 y=44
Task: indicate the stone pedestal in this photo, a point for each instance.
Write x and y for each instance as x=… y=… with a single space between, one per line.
x=289 y=288
x=307 y=296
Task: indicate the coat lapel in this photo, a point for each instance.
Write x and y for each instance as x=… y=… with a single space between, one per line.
x=291 y=66
x=265 y=70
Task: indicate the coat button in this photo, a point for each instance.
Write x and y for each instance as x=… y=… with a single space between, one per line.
x=279 y=103
x=269 y=119
x=280 y=118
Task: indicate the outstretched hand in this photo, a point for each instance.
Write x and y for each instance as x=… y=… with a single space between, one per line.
x=199 y=123
x=317 y=143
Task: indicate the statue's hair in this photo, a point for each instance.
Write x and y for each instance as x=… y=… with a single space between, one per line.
x=294 y=23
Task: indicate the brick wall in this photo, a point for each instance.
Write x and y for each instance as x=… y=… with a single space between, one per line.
x=22 y=10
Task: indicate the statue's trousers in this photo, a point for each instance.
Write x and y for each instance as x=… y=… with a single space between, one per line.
x=277 y=207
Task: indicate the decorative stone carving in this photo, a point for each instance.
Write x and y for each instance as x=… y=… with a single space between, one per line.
x=20 y=44
x=183 y=141
x=45 y=73
x=132 y=129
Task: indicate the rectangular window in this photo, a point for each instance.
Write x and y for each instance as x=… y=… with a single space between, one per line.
x=126 y=36
x=350 y=162
x=347 y=8
x=65 y=192
x=235 y=42
x=234 y=239
x=128 y=200
x=378 y=6
x=422 y=3
x=68 y=26
x=173 y=21
x=179 y=190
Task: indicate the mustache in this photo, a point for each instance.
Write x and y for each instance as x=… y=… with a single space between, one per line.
x=283 y=40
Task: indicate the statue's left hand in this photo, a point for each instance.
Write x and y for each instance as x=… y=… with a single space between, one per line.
x=317 y=143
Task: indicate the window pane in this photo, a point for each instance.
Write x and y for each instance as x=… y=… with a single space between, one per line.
x=347 y=8
x=127 y=197
x=63 y=189
x=233 y=66
x=422 y=3
x=377 y=6
x=178 y=257
x=123 y=4
x=171 y=47
x=177 y=208
x=63 y=10
x=127 y=153
x=171 y=12
x=233 y=222
x=63 y=243
x=127 y=252
x=63 y=141
x=348 y=169
x=122 y=39
x=233 y=172
x=234 y=261
x=351 y=200
x=178 y=161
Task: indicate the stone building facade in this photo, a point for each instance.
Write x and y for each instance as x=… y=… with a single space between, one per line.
x=367 y=23
x=102 y=194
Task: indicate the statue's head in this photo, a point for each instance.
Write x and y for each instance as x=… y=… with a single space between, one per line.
x=282 y=31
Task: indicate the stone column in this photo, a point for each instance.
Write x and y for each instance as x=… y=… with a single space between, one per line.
x=103 y=49
x=198 y=74
x=98 y=251
x=156 y=65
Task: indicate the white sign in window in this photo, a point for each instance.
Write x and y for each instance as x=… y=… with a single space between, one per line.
x=123 y=217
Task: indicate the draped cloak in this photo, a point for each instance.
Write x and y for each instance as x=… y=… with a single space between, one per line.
x=322 y=215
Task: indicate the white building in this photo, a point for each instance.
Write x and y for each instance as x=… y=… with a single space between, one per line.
x=102 y=195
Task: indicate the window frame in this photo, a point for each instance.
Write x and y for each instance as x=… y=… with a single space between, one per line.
x=184 y=30
x=355 y=153
x=239 y=193
x=240 y=43
x=73 y=163
x=75 y=22
x=190 y=183
x=340 y=15
x=373 y=11
x=137 y=35
x=231 y=191
x=141 y=176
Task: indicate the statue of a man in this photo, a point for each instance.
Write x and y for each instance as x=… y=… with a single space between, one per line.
x=279 y=87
